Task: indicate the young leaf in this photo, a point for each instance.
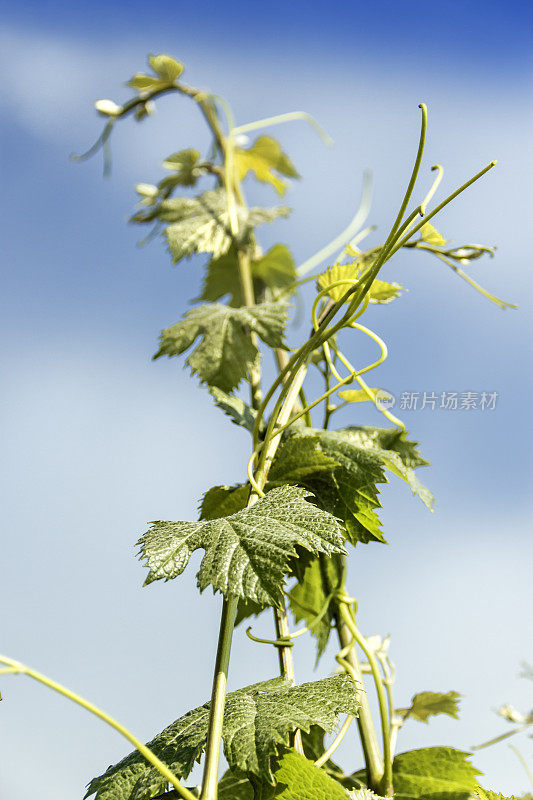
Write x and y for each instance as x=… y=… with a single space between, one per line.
x=431 y=235
x=428 y=704
x=379 y=292
x=248 y=553
x=264 y=158
x=183 y=165
x=166 y=70
x=166 y=67
x=226 y=352
x=257 y=721
x=201 y=224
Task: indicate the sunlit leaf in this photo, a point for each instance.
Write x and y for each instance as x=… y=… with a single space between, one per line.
x=264 y=158
x=247 y=554
x=257 y=721
x=431 y=235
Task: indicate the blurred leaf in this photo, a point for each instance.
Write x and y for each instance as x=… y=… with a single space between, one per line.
x=428 y=704
x=166 y=67
x=361 y=396
x=264 y=158
x=184 y=165
x=431 y=235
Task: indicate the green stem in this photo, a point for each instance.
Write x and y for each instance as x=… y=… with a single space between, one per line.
x=17 y=667
x=218 y=699
x=348 y=618
x=365 y=724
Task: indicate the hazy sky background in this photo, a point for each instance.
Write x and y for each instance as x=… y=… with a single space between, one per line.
x=97 y=440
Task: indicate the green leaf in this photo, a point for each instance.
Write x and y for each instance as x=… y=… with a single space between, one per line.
x=264 y=158
x=439 y=773
x=431 y=235
x=428 y=704
x=234 y=785
x=388 y=439
x=485 y=794
x=383 y=292
x=223 y=501
x=341 y=474
x=275 y=270
x=257 y=720
x=226 y=352
x=397 y=453
x=379 y=292
x=308 y=597
x=166 y=67
x=248 y=553
x=301 y=780
x=236 y=409
x=201 y=224
x=222 y=278
x=184 y=165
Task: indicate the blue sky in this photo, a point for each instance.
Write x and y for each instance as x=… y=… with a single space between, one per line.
x=98 y=440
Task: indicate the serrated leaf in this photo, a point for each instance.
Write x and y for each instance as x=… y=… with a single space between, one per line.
x=201 y=224
x=264 y=158
x=237 y=410
x=397 y=453
x=308 y=597
x=429 y=704
x=431 y=235
x=343 y=477
x=485 y=794
x=248 y=553
x=257 y=720
x=226 y=352
x=439 y=773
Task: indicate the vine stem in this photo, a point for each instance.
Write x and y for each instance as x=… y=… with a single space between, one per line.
x=18 y=668
x=348 y=618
